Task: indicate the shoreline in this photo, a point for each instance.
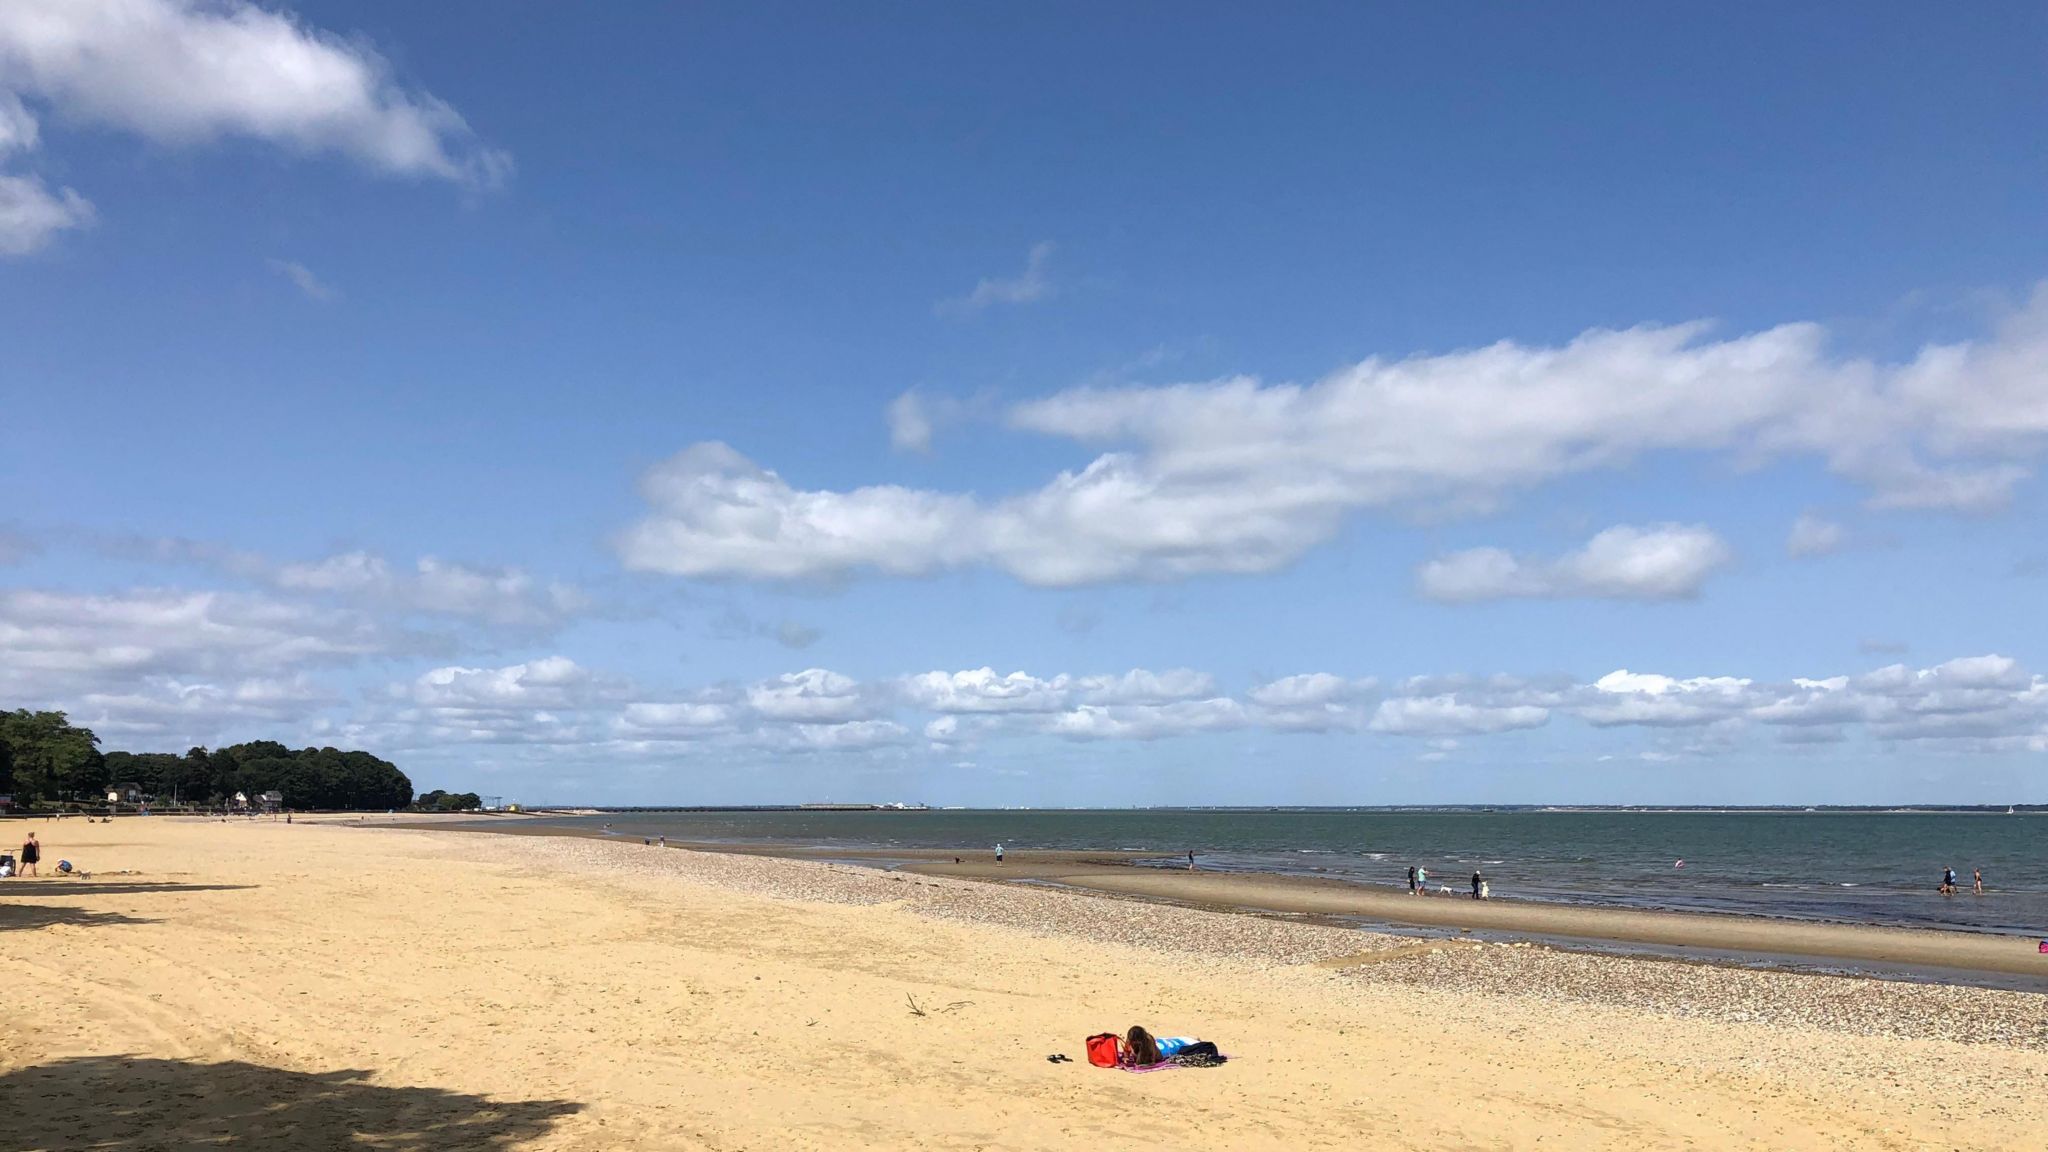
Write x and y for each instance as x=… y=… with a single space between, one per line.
x=268 y=985
x=1719 y=938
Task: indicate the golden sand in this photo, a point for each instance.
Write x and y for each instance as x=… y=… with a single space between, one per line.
x=306 y=986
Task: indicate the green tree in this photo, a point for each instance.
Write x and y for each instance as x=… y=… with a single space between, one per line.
x=51 y=758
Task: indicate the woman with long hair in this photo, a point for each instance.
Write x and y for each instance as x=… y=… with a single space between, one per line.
x=1140 y=1050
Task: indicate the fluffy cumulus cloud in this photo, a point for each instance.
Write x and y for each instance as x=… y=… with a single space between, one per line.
x=1312 y=702
x=1242 y=475
x=983 y=690
x=1449 y=714
x=1970 y=704
x=813 y=696
x=187 y=72
x=1661 y=562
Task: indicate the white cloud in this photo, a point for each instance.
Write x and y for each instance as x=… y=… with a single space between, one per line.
x=507 y=597
x=814 y=696
x=31 y=215
x=191 y=71
x=1141 y=686
x=1976 y=702
x=1241 y=476
x=53 y=640
x=716 y=513
x=982 y=690
x=303 y=279
x=1661 y=562
x=1147 y=721
x=1312 y=702
x=1448 y=715
x=910 y=428
x=187 y=72
x=1624 y=697
x=171 y=714
x=1813 y=535
x=851 y=734
x=1028 y=286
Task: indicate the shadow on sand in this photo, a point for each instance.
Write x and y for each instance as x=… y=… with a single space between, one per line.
x=132 y=1104
x=16 y=917
x=60 y=886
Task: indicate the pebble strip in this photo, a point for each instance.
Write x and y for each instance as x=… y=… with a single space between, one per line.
x=1459 y=969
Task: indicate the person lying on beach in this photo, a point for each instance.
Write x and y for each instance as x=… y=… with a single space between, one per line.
x=1141 y=1049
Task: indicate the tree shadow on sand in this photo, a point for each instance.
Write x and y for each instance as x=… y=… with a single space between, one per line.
x=59 y=886
x=16 y=917
x=137 y=1104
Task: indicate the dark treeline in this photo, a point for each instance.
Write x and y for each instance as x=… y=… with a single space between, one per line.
x=45 y=758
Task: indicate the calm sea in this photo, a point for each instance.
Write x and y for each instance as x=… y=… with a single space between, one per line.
x=1857 y=867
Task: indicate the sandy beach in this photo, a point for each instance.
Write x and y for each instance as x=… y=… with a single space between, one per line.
x=321 y=986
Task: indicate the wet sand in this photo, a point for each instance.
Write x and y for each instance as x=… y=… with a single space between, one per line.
x=265 y=985
x=2007 y=961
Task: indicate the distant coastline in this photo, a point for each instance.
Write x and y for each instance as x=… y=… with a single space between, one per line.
x=1745 y=809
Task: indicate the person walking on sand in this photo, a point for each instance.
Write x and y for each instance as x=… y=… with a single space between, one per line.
x=999 y=852
x=1476 y=880
x=31 y=851
x=1977 y=881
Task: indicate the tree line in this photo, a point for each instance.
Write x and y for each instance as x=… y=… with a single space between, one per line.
x=45 y=758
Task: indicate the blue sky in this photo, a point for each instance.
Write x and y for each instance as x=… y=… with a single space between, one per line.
x=1449 y=404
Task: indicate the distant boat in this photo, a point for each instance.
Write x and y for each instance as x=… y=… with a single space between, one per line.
x=2009 y=811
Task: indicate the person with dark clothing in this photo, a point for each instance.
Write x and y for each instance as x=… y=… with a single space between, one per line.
x=1411 y=879
x=1475 y=885
x=31 y=851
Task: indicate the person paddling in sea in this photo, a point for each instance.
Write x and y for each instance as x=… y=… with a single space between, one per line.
x=1476 y=881
x=1948 y=882
x=1411 y=879
x=1977 y=881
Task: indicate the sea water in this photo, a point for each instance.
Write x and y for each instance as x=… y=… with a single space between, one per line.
x=1856 y=867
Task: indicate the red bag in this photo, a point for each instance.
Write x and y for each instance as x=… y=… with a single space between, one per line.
x=1102 y=1049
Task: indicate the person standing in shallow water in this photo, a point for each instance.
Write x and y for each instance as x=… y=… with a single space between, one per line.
x=1411 y=879
x=999 y=853
x=1977 y=881
x=1475 y=885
